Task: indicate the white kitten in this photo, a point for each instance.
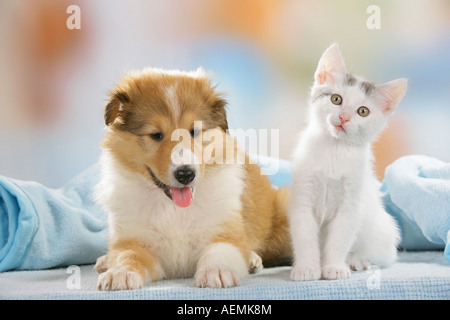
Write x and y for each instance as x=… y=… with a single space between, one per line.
x=337 y=218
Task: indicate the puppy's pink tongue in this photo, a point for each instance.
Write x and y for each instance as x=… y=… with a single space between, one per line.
x=182 y=196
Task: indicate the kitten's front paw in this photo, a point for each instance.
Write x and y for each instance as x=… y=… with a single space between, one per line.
x=216 y=277
x=119 y=279
x=305 y=273
x=335 y=272
x=358 y=264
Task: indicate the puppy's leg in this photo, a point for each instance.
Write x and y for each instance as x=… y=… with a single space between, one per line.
x=221 y=265
x=129 y=266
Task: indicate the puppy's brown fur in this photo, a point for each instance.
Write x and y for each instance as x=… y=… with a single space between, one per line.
x=149 y=102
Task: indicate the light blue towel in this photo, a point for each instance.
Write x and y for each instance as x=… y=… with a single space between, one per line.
x=43 y=228
x=416 y=191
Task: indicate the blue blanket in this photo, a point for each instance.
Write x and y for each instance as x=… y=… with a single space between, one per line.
x=416 y=191
x=43 y=228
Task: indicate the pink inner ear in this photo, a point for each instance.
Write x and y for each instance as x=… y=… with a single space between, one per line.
x=388 y=103
x=392 y=92
x=387 y=107
x=324 y=76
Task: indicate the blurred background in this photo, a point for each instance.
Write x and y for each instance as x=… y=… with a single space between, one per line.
x=54 y=81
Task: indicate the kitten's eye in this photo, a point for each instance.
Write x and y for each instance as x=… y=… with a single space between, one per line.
x=158 y=136
x=336 y=99
x=363 y=111
x=195 y=132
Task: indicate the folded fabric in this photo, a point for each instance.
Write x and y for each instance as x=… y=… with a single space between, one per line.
x=416 y=191
x=43 y=228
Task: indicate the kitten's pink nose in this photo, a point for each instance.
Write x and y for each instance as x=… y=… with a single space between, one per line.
x=343 y=118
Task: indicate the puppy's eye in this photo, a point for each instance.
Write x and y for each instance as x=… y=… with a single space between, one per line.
x=363 y=111
x=336 y=99
x=158 y=136
x=195 y=132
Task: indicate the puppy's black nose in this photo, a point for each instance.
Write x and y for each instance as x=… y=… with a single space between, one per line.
x=184 y=174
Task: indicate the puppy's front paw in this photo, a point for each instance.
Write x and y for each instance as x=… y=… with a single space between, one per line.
x=335 y=272
x=216 y=277
x=255 y=263
x=305 y=273
x=101 y=265
x=119 y=279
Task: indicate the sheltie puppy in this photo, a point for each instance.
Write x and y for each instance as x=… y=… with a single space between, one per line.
x=175 y=210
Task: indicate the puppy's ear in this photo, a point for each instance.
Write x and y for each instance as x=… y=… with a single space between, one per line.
x=219 y=113
x=115 y=107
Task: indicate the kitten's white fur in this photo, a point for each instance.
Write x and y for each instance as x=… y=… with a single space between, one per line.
x=336 y=216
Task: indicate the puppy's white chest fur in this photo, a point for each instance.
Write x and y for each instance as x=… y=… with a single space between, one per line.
x=176 y=238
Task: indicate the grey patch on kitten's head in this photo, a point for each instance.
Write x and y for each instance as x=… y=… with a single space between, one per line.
x=318 y=94
x=366 y=87
x=350 y=79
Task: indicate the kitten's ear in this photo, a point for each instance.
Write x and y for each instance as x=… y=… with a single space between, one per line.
x=392 y=93
x=330 y=64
